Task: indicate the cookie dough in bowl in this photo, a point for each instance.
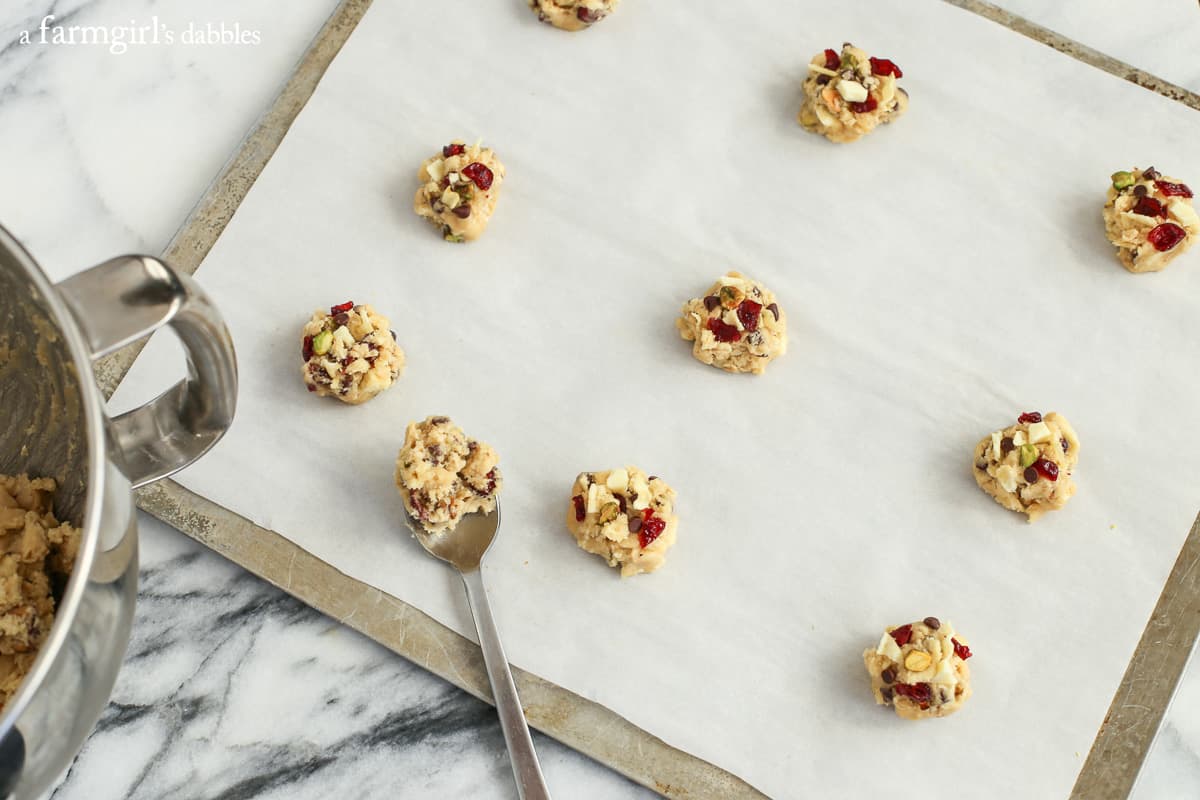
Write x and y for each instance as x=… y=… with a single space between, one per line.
x=849 y=94
x=443 y=475
x=1149 y=218
x=1027 y=467
x=37 y=553
x=736 y=326
x=459 y=190
x=572 y=15
x=920 y=669
x=624 y=516
x=349 y=353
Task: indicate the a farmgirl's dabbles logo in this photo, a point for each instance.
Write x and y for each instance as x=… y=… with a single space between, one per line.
x=119 y=38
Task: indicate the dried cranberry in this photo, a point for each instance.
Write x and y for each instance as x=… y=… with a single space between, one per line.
x=832 y=59
x=711 y=302
x=774 y=309
x=651 y=530
x=453 y=150
x=1149 y=207
x=883 y=66
x=647 y=512
x=480 y=174
x=1030 y=416
x=462 y=210
x=723 y=332
x=1046 y=468
x=1173 y=189
x=919 y=692
x=341 y=308
x=312 y=388
x=870 y=104
x=960 y=649
x=580 y=508
x=306 y=348
x=1166 y=236
x=902 y=635
x=587 y=15
x=748 y=312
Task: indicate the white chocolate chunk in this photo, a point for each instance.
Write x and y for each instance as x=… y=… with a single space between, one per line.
x=618 y=480
x=1039 y=432
x=1006 y=474
x=1018 y=438
x=593 y=504
x=888 y=648
x=996 y=445
x=435 y=170
x=851 y=91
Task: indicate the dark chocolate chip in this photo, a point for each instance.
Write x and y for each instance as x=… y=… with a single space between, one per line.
x=1139 y=190
x=462 y=211
x=652 y=478
x=1031 y=475
x=1065 y=446
x=635 y=523
x=886 y=694
x=774 y=309
x=711 y=302
x=621 y=502
x=822 y=80
x=342 y=318
x=982 y=466
x=1006 y=444
x=1150 y=174
x=888 y=675
x=394 y=336
x=932 y=622
x=439 y=420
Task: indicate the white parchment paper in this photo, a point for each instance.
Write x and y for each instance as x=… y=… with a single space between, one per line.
x=940 y=277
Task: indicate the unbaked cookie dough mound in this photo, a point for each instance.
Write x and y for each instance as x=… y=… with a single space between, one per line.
x=443 y=475
x=572 y=15
x=849 y=94
x=459 y=190
x=736 y=326
x=1149 y=218
x=920 y=669
x=624 y=516
x=350 y=353
x=37 y=553
x=1027 y=467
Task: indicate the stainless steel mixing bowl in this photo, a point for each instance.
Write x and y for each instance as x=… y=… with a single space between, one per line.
x=53 y=423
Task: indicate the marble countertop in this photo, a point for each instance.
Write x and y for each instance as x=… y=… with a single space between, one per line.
x=231 y=688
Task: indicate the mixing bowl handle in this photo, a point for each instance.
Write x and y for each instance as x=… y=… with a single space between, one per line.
x=128 y=298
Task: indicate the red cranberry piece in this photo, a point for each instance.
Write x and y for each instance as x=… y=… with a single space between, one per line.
x=883 y=66
x=312 y=388
x=1030 y=416
x=480 y=174
x=1173 y=189
x=832 y=59
x=651 y=530
x=580 y=508
x=647 y=512
x=453 y=150
x=342 y=308
x=587 y=15
x=919 y=692
x=711 y=302
x=748 y=313
x=1046 y=468
x=723 y=332
x=1166 y=236
x=1149 y=207
x=902 y=635
x=870 y=104
x=960 y=649
x=462 y=210
x=306 y=348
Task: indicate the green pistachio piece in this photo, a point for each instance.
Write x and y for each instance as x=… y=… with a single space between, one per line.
x=1029 y=454
x=1122 y=180
x=609 y=512
x=322 y=342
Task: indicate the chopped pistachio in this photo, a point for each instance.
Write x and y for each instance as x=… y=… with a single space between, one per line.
x=731 y=296
x=322 y=342
x=1122 y=180
x=609 y=512
x=1029 y=454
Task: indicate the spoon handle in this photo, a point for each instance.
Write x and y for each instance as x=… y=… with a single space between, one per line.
x=530 y=783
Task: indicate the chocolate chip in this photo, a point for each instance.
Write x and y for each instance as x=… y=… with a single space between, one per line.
x=635 y=523
x=1139 y=190
x=1031 y=475
x=342 y=318
x=621 y=502
x=1150 y=174
x=394 y=336
x=652 y=478
x=1006 y=444
x=822 y=80
x=462 y=211
x=774 y=309
x=942 y=695
x=1065 y=446
x=886 y=694
x=982 y=466
x=932 y=622
x=889 y=675
x=435 y=450
x=711 y=302
x=438 y=420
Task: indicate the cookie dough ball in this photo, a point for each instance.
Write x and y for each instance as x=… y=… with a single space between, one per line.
x=849 y=94
x=736 y=326
x=459 y=189
x=624 y=516
x=37 y=553
x=350 y=353
x=572 y=15
x=920 y=669
x=1149 y=218
x=443 y=475
x=1027 y=467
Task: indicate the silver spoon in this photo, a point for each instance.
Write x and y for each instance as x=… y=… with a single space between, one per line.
x=463 y=548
